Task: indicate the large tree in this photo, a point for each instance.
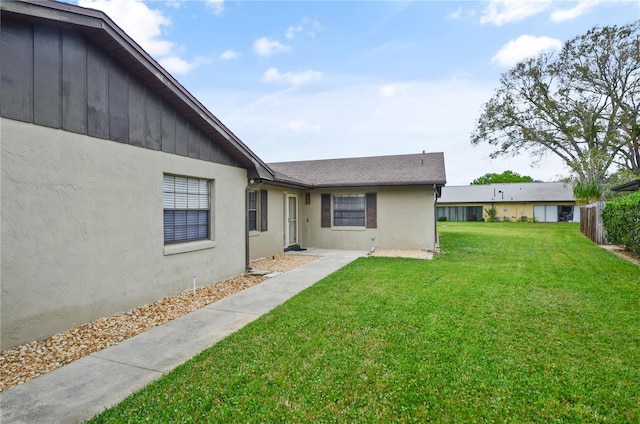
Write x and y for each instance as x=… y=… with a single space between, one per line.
x=581 y=104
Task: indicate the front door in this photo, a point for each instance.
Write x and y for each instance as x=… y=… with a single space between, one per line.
x=291 y=220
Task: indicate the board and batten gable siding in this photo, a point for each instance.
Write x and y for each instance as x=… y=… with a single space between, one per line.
x=59 y=79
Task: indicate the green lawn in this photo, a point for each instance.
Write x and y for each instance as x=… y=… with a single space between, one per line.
x=511 y=323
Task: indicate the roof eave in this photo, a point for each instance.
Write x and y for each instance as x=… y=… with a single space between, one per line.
x=630 y=186
x=380 y=184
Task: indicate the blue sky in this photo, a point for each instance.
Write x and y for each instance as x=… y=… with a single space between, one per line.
x=299 y=80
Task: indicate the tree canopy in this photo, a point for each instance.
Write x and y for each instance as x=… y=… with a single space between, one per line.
x=581 y=104
x=505 y=177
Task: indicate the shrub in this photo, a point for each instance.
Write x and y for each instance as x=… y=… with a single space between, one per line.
x=491 y=213
x=442 y=218
x=621 y=220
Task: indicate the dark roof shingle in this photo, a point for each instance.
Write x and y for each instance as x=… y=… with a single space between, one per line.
x=396 y=170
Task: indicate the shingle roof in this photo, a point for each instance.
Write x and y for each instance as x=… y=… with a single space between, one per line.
x=630 y=186
x=512 y=192
x=397 y=170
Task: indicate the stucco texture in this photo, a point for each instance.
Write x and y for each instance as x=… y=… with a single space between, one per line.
x=405 y=220
x=82 y=232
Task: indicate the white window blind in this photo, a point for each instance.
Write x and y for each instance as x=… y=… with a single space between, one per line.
x=186 y=209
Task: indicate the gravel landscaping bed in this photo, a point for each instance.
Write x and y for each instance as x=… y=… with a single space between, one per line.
x=30 y=360
x=402 y=253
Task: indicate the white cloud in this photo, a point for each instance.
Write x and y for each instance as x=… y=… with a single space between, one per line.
x=175 y=4
x=142 y=24
x=229 y=55
x=524 y=47
x=392 y=90
x=292 y=78
x=457 y=14
x=292 y=31
x=309 y=26
x=351 y=119
x=177 y=65
x=579 y=9
x=216 y=5
x=499 y=12
x=266 y=47
x=145 y=26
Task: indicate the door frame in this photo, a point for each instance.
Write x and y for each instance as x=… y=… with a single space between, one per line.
x=287 y=235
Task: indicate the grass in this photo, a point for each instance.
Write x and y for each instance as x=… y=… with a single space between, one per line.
x=512 y=323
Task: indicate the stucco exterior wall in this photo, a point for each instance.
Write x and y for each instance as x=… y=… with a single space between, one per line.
x=82 y=229
x=270 y=242
x=405 y=220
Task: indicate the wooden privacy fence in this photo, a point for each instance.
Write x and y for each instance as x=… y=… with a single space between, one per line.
x=591 y=222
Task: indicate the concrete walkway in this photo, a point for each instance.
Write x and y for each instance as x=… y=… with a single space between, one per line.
x=84 y=388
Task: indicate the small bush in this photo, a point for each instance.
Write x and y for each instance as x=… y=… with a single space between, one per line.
x=491 y=213
x=621 y=220
x=442 y=218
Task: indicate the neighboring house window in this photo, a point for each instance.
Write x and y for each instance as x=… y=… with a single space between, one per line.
x=257 y=210
x=349 y=210
x=186 y=209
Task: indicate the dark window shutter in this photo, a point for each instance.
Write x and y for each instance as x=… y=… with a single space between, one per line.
x=372 y=207
x=326 y=211
x=263 y=210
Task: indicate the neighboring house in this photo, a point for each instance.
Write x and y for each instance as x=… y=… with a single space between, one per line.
x=546 y=202
x=633 y=185
x=120 y=188
x=387 y=202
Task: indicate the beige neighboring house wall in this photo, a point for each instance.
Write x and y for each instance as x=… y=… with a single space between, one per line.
x=398 y=192
x=405 y=219
x=82 y=229
x=270 y=242
x=544 y=201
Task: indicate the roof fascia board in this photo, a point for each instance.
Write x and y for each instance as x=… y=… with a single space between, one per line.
x=374 y=185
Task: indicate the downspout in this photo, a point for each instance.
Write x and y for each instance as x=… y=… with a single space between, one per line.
x=251 y=186
x=436 y=241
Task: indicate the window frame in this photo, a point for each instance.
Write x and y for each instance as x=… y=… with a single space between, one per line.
x=370 y=211
x=253 y=201
x=260 y=210
x=348 y=207
x=187 y=210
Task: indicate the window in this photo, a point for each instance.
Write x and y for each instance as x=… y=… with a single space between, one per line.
x=186 y=209
x=252 y=210
x=348 y=210
x=257 y=210
x=460 y=213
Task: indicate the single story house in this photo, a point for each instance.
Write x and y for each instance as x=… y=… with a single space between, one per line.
x=545 y=202
x=354 y=204
x=119 y=187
